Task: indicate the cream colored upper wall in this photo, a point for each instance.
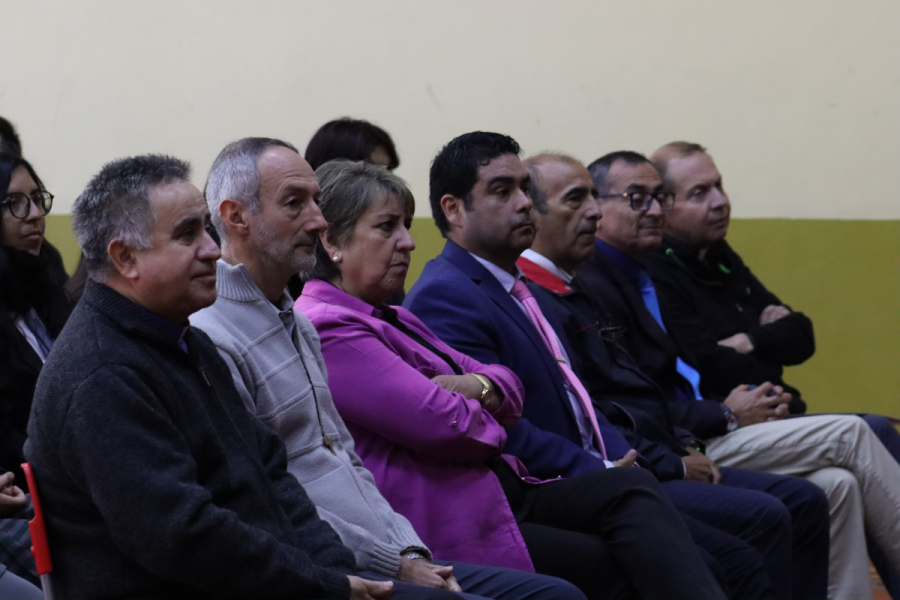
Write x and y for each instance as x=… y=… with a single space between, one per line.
x=798 y=101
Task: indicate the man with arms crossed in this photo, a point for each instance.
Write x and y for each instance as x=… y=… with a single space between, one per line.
x=263 y=198
x=737 y=329
x=155 y=481
x=747 y=429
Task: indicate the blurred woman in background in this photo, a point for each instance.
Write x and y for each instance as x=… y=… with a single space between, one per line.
x=353 y=139
x=33 y=302
x=356 y=140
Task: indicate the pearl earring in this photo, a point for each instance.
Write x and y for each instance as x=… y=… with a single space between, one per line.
x=337 y=256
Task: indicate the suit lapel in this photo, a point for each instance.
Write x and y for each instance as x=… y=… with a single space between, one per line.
x=635 y=300
x=499 y=296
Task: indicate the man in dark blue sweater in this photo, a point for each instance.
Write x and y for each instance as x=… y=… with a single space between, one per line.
x=155 y=480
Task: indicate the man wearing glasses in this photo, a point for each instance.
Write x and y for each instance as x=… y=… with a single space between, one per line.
x=839 y=453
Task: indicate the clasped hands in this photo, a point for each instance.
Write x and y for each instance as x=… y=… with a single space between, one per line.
x=757 y=405
x=416 y=571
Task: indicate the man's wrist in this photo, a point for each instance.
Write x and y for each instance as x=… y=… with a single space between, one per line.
x=732 y=421
x=413 y=555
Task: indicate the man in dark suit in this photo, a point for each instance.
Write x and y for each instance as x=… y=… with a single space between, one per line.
x=750 y=429
x=480 y=202
x=567 y=214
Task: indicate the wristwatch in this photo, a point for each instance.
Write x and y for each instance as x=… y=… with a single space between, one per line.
x=730 y=418
x=413 y=555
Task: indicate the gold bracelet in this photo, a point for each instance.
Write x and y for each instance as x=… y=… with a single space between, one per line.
x=485 y=385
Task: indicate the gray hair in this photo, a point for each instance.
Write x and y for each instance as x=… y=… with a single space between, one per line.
x=115 y=205
x=235 y=176
x=348 y=190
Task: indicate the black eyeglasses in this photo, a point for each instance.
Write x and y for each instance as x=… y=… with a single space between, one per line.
x=20 y=204
x=642 y=200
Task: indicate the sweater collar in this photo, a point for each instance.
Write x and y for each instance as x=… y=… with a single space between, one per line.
x=234 y=282
x=133 y=317
x=713 y=270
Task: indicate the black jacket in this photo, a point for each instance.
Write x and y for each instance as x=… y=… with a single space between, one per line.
x=651 y=347
x=711 y=300
x=628 y=398
x=26 y=282
x=156 y=481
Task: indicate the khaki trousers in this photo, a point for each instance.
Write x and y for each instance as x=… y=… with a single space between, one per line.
x=841 y=455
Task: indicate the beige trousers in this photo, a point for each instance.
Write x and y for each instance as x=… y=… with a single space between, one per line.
x=841 y=455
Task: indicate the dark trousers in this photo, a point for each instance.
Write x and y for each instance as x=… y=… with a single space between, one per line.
x=735 y=528
x=481 y=583
x=613 y=533
x=807 y=506
x=888 y=435
x=784 y=519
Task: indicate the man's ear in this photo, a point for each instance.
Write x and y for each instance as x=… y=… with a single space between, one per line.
x=234 y=216
x=123 y=258
x=454 y=210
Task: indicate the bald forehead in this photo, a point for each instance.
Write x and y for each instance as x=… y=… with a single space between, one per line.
x=281 y=160
x=693 y=169
x=557 y=171
x=542 y=160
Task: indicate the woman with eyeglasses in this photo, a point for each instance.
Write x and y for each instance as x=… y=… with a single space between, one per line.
x=33 y=303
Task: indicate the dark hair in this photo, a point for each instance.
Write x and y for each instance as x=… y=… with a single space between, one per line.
x=8 y=164
x=348 y=138
x=454 y=170
x=599 y=169
x=11 y=144
x=116 y=205
x=348 y=190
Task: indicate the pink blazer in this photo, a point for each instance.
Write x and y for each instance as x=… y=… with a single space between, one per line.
x=426 y=447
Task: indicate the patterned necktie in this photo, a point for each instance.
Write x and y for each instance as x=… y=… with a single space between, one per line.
x=520 y=292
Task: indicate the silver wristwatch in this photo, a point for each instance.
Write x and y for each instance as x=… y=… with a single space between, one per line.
x=730 y=418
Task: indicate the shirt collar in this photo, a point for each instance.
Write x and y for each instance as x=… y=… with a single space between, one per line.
x=330 y=294
x=169 y=329
x=507 y=280
x=626 y=265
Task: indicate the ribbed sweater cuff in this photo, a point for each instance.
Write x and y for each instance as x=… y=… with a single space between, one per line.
x=384 y=559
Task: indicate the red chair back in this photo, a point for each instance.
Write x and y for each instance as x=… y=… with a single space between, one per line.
x=40 y=549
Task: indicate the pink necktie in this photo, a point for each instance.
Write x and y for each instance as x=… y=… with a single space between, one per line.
x=520 y=292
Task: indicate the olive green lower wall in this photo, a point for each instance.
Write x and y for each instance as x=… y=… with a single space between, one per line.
x=845 y=275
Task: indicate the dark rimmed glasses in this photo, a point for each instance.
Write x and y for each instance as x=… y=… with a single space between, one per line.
x=19 y=204
x=641 y=201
